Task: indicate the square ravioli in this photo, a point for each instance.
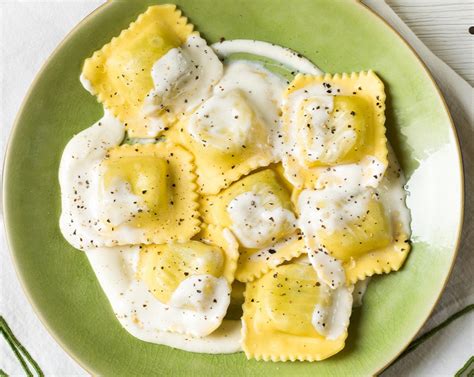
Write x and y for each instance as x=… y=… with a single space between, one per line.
x=153 y=72
x=259 y=213
x=391 y=246
x=290 y=315
x=190 y=281
x=227 y=138
x=165 y=267
x=147 y=195
x=353 y=231
x=333 y=120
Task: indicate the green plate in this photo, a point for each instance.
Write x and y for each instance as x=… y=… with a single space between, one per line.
x=338 y=36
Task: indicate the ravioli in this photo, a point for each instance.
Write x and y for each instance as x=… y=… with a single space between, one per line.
x=220 y=142
x=369 y=231
x=349 y=230
x=120 y=74
x=385 y=256
x=253 y=263
x=333 y=120
x=290 y=315
x=147 y=195
x=379 y=260
x=193 y=276
x=232 y=133
x=183 y=79
x=258 y=211
x=165 y=267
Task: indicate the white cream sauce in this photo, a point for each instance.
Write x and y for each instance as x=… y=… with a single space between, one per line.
x=183 y=79
x=86 y=84
x=190 y=316
x=328 y=268
x=247 y=95
x=341 y=196
x=332 y=320
x=309 y=139
x=259 y=218
x=391 y=192
x=360 y=287
x=283 y=55
x=79 y=173
x=223 y=122
x=117 y=204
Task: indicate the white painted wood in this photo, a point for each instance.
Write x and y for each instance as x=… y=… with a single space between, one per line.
x=443 y=25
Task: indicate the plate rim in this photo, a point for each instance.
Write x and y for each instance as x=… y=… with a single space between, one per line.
x=461 y=171
x=7 y=157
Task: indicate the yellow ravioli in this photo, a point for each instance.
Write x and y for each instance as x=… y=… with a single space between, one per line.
x=267 y=182
x=164 y=267
x=372 y=244
x=161 y=179
x=227 y=139
x=279 y=243
x=369 y=232
x=278 y=312
x=380 y=260
x=349 y=130
x=120 y=73
x=383 y=256
x=253 y=263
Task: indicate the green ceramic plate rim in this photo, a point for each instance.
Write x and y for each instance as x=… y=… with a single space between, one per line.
x=102 y=7
x=461 y=169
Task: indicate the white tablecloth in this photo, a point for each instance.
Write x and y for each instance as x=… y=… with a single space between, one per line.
x=29 y=31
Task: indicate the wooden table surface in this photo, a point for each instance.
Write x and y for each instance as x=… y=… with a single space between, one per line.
x=443 y=25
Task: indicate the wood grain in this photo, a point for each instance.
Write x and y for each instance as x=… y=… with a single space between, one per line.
x=443 y=25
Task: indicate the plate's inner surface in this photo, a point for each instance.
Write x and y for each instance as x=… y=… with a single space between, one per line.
x=338 y=36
